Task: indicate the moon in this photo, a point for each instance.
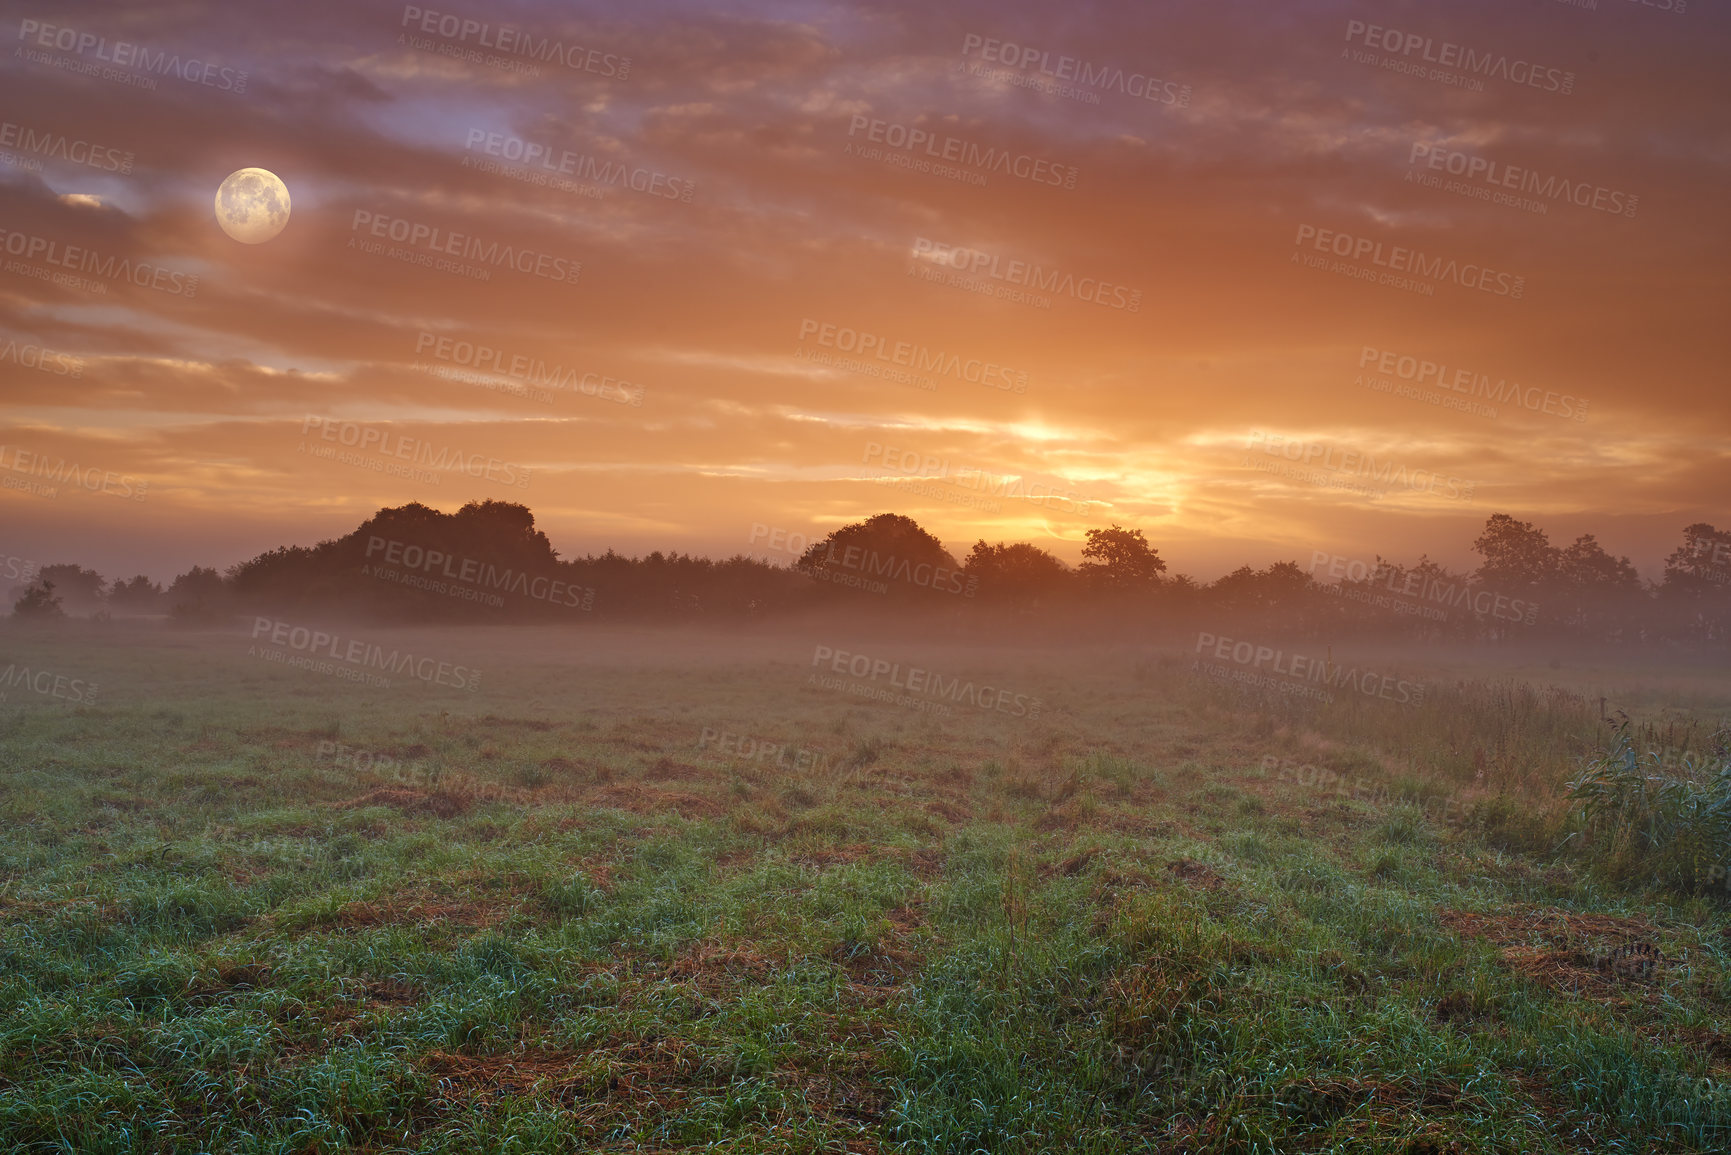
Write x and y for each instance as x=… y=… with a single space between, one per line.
x=252 y=205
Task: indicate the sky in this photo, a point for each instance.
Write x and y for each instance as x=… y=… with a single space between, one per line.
x=1261 y=280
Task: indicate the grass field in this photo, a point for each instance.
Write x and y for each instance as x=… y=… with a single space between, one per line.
x=587 y=906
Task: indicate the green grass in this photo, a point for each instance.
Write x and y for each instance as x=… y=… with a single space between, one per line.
x=555 y=923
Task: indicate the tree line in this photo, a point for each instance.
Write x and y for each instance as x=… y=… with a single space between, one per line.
x=488 y=562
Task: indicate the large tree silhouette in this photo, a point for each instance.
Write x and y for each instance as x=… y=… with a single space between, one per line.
x=1020 y=574
x=888 y=553
x=1120 y=560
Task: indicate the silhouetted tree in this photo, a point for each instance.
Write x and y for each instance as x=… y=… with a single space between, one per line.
x=199 y=595
x=1020 y=574
x=1120 y=561
x=1518 y=556
x=1701 y=565
x=1282 y=584
x=1599 y=594
x=38 y=602
x=80 y=588
x=1586 y=566
x=890 y=549
x=1695 y=592
x=140 y=595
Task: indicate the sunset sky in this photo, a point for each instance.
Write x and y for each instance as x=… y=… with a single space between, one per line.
x=196 y=420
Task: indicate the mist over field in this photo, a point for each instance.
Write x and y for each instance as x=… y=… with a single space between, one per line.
x=836 y=577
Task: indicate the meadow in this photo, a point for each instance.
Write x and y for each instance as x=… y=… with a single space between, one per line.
x=655 y=890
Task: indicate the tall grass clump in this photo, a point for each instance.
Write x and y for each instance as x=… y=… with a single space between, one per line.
x=1640 y=817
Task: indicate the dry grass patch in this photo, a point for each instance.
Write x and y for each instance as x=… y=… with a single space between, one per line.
x=665 y=769
x=1593 y=954
x=639 y=1080
x=950 y=812
x=1379 y=1109
x=520 y=723
x=714 y=968
x=639 y=798
x=1197 y=874
x=420 y=907
x=31 y=910
x=438 y=803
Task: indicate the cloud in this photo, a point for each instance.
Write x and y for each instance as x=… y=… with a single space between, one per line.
x=719 y=193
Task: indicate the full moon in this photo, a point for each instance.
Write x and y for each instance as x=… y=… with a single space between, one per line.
x=252 y=206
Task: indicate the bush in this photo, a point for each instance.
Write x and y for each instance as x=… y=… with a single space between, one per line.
x=1639 y=817
x=38 y=602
